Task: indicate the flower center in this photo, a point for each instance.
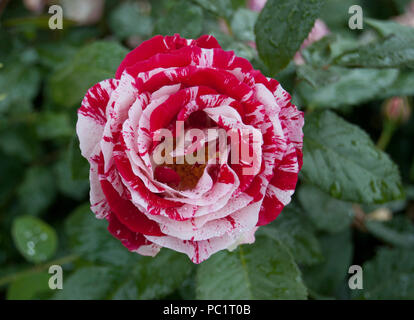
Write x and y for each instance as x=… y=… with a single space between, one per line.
x=182 y=176
x=189 y=174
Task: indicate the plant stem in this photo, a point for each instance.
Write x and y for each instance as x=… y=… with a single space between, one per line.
x=11 y=277
x=386 y=135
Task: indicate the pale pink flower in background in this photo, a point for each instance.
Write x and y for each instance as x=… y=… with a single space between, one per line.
x=84 y=12
x=256 y=5
x=34 y=5
x=407 y=18
x=320 y=30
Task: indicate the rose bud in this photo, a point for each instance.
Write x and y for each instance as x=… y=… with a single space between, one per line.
x=189 y=147
x=397 y=110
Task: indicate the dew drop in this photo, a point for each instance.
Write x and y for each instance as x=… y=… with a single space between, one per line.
x=31 y=248
x=43 y=237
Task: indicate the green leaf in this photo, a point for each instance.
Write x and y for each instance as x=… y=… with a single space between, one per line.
x=219 y=8
x=242 y=24
x=130 y=276
x=341 y=160
x=51 y=54
x=321 y=52
x=264 y=270
x=147 y=278
x=91 y=64
x=19 y=139
x=338 y=87
x=75 y=189
x=241 y=50
x=387 y=28
x=156 y=277
x=52 y=125
x=128 y=19
x=37 y=191
x=331 y=86
x=390 y=275
x=392 y=52
x=282 y=27
x=399 y=231
x=319 y=55
x=294 y=230
x=183 y=18
x=187 y=289
x=89 y=237
x=326 y=213
x=402 y=86
x=396 y=50
x=11 y=171
x=89 y=283
x=316 y=77
x=18 y=82
x=29 y=287
x=328 y=277
x=35 y=240
x=79 y=166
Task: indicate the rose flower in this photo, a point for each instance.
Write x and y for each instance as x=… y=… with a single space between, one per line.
x=147 y=134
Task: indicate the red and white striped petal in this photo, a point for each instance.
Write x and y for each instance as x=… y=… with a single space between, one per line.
x=119 y=104
x=92 y=116
x=199 y=251
x=134 y=241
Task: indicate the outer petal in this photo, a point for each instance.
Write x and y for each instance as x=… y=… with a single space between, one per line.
x=198 y=251
x=91 y=115
x=160 y=44
x=134 y=241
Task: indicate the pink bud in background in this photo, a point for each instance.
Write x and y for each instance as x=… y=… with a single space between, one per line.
x=320 y=30
x=256 y=5
x=397 y=109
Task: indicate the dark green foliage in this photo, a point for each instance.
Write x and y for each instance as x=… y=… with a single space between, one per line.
x=281 y=28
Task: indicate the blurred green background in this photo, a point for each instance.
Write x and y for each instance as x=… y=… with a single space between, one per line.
x=44 y=211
